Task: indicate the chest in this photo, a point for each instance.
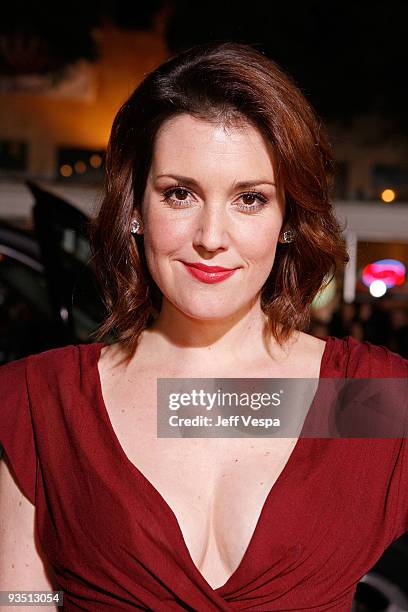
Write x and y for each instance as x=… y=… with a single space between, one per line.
x=215 y=487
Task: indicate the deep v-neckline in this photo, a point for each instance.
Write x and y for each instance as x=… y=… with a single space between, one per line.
x=288 y=468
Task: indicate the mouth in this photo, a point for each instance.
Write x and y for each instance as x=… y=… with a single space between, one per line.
x=208 y=274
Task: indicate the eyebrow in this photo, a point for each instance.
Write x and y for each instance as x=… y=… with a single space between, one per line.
x=241 y=185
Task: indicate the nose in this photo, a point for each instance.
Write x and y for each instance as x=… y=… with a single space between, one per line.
x=212 y=231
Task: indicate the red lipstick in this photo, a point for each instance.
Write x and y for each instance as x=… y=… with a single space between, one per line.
x=209 y=274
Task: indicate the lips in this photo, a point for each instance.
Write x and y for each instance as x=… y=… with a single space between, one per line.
x=208 y=274
x=206 y=268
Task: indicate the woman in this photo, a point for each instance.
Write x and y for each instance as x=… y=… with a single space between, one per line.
x=215 y=161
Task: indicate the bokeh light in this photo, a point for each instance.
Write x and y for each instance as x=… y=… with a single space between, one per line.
x=388 y=195
x=80 y=167
x=66 y=170
x=390 y=271
x=378 y=288
x=95 y=160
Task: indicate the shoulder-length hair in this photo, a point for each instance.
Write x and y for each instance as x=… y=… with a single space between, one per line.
x=218 y=82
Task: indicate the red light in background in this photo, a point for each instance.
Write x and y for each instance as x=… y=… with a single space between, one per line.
x=390 y=271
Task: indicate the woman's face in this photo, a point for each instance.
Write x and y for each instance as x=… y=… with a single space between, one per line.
x=210 y=199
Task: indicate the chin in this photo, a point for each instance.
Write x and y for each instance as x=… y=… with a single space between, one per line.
x=207 y=311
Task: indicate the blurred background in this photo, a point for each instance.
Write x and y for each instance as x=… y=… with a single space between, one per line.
x=65 y=68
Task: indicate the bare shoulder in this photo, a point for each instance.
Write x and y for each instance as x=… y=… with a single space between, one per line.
x=111 y=365
x=308 y=354
x=110 y=356
x=312 y=345
x=115 y=367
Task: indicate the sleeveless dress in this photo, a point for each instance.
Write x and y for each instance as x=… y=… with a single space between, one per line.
x=115 y=544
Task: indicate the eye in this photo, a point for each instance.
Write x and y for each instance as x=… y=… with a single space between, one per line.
x=176 y=196
x=252 y=201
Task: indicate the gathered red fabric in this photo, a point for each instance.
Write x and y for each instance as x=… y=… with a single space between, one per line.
x=115 y=544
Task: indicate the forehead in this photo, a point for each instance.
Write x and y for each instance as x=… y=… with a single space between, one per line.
x=185 y=141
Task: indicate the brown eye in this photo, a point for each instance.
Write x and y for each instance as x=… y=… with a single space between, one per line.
x=181 y=194
x=249 y=198
x=252 y=201
x=177 y=197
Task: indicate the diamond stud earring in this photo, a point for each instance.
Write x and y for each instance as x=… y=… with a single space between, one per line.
x=288 y=236
x=134 y=226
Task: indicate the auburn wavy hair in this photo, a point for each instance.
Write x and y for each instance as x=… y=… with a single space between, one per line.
x=219 y=82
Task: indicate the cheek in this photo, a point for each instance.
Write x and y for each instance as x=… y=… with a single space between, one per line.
x=259 y=246
x=164 y=235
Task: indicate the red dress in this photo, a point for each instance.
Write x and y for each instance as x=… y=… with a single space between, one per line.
x=115 y=544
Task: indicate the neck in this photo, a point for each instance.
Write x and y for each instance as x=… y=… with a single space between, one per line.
x=242 y=336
